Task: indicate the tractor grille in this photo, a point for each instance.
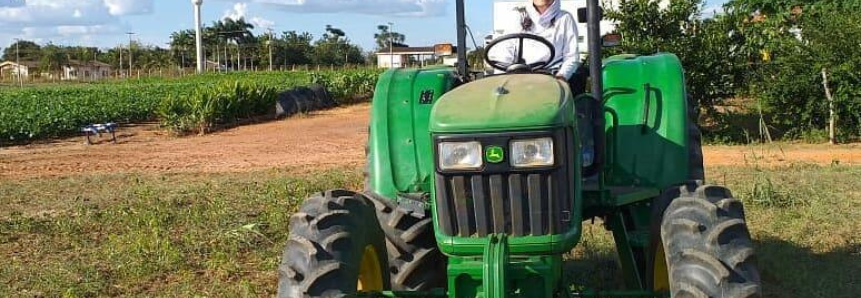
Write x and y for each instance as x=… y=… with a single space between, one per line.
x=516 y=204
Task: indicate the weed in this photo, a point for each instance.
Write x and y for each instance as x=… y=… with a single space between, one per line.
x=764 y=193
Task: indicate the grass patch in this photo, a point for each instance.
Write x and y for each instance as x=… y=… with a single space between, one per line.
x=805 y=221
x=151 y=235
x=222 y=234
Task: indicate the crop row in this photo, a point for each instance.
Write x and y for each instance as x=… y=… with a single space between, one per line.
x=52 y=111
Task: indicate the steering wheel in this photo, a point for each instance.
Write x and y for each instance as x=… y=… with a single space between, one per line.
x=519 y=65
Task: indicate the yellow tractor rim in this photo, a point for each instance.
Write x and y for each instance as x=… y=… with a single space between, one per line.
x=660 y=274
x=370 y=271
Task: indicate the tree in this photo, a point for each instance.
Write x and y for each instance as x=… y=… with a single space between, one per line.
x=334 y=31
x=713 y=69
x=182 y=44
x=796 y=43
x=53 y=58
x=334 y=48
x=27 y=51
x=384 y=37
x=297 y=48
x=238 y=31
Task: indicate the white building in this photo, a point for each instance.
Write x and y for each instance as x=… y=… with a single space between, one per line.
x=93 y=70
x=505 y=17
x=10 y=69
x=398 y=57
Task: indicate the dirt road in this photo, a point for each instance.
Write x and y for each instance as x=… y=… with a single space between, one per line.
x=320 y=140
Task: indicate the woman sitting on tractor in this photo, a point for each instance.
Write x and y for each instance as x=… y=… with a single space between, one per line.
x=546 y=19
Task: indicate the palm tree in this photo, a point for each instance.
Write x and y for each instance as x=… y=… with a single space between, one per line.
x=180 y=43
x=240 y=32
x=230 y=30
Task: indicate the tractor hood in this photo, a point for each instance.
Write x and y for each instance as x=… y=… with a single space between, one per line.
x=504 y=102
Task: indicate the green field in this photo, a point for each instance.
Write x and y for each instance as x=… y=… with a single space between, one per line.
x=184 y=235
x=46 y=111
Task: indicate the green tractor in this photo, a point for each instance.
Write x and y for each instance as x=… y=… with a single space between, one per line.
x=478 y=187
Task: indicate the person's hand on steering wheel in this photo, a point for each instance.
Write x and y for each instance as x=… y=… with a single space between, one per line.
x=519 y=64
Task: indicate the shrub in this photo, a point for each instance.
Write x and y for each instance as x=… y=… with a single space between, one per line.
x=348 y=87
x=212 y=105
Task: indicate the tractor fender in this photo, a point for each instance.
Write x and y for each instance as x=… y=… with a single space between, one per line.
x=399 y=141
x=646 y=106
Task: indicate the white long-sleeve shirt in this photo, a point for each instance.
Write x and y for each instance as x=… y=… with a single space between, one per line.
x=562 y=34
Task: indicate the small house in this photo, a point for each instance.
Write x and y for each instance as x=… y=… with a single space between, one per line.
x=90 y=70
x=398 y=57
x=9 y=70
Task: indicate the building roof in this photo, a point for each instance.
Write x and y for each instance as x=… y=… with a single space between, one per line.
x=88 y=63
x=23 y=63
x=406 y=51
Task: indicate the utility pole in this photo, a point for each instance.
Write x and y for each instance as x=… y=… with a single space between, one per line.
x=18 y=62
x=270 y=48
x=121 y=58
x=198 y=35
x=130 y=52
x=217 y=58
x=391 y=45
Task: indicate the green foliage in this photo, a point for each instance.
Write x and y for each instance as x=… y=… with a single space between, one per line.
x=765 y=193
x=772 y=51
x=35 y=113
x=348 y=87
x=211 y=105
x=51 y=111
x=386 y=37
x=24 y=50
x=791 y=85
x=713 y=70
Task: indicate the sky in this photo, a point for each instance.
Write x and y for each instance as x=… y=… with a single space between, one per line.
x=104 y=23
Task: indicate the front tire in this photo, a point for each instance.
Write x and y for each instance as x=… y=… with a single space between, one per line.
x=336 y=248
x=416 y=263
x=706 y=245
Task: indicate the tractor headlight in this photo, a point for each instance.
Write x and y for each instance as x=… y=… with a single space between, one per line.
x=532 y=153
x=460 y=155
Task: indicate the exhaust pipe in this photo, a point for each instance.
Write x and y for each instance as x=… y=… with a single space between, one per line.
x=461 y=41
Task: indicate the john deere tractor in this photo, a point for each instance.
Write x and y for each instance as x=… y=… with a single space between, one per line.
x=477 y=187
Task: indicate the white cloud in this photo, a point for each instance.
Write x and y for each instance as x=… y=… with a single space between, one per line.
x=41 y=20
x=129 y=7
x=238 y=11
x=417 y=8
x=41 y=13
x=262 y=23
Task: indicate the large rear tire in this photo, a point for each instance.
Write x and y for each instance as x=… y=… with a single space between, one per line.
x=415 y=262
x=336 y=248
x=705 y=246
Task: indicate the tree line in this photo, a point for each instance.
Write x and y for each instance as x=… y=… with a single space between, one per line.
x=228 y=44
x=232 y=44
